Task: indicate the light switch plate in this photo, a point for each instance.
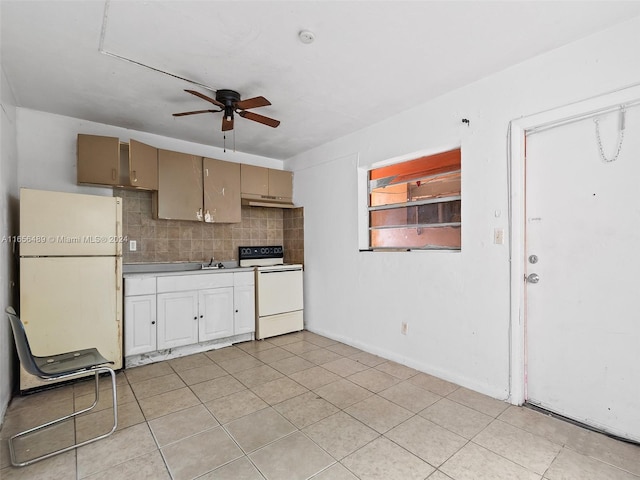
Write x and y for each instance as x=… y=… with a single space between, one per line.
x=133 y=245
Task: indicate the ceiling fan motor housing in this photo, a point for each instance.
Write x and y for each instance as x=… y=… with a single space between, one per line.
x=229 y=99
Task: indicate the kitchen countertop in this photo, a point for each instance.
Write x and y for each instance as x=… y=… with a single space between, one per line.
x=178 y=268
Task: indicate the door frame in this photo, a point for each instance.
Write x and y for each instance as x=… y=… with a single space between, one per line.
x=517 y=132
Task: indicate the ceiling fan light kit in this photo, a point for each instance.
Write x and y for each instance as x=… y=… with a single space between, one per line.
x=230 y=102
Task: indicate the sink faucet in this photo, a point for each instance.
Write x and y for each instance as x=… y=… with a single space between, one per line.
x=211 y=262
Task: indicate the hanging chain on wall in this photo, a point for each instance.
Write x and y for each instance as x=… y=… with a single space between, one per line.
x=621 y=126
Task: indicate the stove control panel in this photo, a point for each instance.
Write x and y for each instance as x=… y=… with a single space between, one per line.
x=248 y=253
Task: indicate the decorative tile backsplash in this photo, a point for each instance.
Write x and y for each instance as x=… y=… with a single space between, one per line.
x=185 y=241
x=293 y=235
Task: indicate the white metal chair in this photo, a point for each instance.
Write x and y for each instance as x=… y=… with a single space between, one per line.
x=59 y=367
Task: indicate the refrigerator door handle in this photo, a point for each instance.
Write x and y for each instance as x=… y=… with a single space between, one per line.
x=119 y=240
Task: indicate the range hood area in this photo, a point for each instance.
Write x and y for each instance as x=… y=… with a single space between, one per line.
x=266 y=201
x=266 y=187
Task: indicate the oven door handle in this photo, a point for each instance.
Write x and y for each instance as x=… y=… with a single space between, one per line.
x=280 y=271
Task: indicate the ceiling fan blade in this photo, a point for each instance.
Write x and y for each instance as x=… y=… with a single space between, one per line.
x=204 y=97
x=193 y=113
x=227 y=124
x=254 y=102
x=260 y=119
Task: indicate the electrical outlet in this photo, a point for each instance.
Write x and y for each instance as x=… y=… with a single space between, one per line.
x=133 y=245
x=404 y=328
x=498 y=236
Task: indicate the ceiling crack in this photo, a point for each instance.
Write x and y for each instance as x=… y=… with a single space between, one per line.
x=102 y=50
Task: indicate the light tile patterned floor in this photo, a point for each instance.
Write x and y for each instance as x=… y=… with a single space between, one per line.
x=302 y=406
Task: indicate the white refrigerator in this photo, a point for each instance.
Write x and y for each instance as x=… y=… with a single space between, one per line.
x=70 y=274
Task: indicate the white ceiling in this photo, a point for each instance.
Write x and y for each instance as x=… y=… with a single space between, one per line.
x=370 y=59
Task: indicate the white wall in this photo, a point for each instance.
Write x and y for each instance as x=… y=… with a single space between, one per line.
x=8 y=227
x=456 y=303
x=47 y=150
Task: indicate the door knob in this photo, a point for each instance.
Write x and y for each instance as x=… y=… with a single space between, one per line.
x=533 y=278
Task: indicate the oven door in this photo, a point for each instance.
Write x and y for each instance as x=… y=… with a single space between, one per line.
x=279 y=290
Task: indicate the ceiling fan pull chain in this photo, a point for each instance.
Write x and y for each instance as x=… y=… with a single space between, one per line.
x=621 y=127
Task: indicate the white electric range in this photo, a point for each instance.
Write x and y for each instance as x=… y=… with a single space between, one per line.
x=279 y=298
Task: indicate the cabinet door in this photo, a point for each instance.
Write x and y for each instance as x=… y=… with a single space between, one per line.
x=179 y=194
x=98 y=160
x=245 y=309
x=139 y=324
x=177 y=319
x=280 y=183
x=221 y=191
x=254 y=180
x=143 y=165
x=216 y=313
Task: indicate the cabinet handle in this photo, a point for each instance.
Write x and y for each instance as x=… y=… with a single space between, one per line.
x=236 y=311
x=135 y=177
x=195 y=318
x=153 y=323
x=201 y=316
x=113 y=174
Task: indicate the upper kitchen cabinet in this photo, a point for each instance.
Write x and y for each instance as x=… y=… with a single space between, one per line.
x=254 y=180
x=221 y=191
x=266 y=187
x=179 y=195
x=107 y=161
x=143 y=165
x=196 y=188
x=281 y=184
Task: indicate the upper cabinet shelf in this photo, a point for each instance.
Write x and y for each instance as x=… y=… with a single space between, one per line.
x=107 y=161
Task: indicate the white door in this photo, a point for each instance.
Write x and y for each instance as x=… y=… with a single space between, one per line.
x=279 y=290
x=177 y=323
x=245 y=309
x=69 y=224
x=215 y=313
x=140 y=324
x=71 y=303
x=582 y=318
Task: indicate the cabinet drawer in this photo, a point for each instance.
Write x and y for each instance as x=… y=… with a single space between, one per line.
x=181 y=283
x=139 y=286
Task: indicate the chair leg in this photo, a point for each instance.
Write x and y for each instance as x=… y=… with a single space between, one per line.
x=97 y=372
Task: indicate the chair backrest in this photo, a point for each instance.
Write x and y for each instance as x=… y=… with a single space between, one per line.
x=22 y=343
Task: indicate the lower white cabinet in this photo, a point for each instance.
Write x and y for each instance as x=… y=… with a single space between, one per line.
x=177 y=319
x=215 y=307
x=177 y=310
x=140 y=315
x=140 y=324
x=244 y=300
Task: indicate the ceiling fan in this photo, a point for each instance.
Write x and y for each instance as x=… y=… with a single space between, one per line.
x=229 y=102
